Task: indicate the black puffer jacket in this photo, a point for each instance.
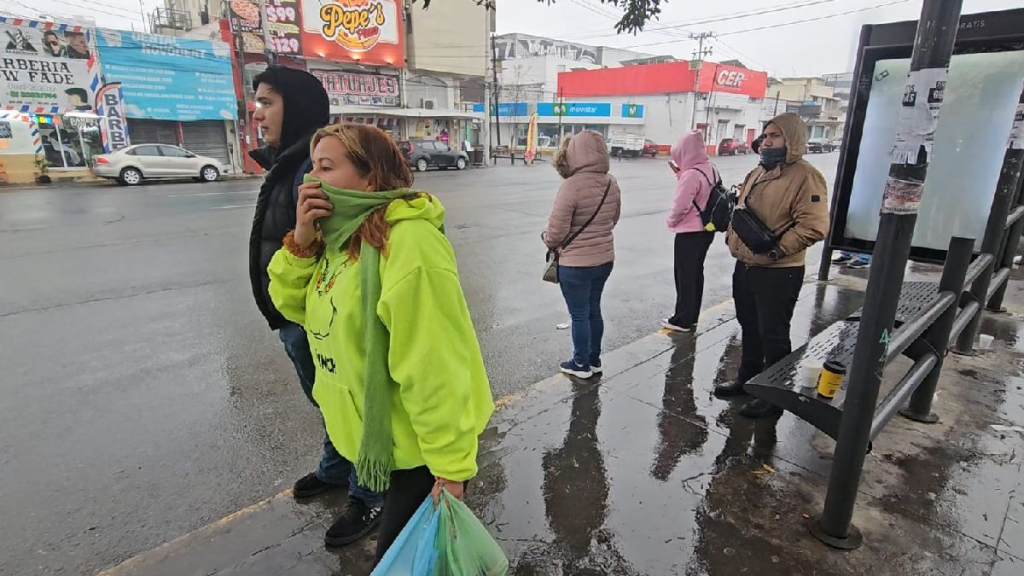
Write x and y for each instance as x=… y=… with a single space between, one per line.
x=306 y=108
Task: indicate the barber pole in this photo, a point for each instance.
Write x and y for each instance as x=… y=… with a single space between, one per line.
x=114 y=126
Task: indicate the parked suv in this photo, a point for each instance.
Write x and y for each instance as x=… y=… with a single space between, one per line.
x=731 y=147
x=423 y=154
x=650 y=148
x=131 y=165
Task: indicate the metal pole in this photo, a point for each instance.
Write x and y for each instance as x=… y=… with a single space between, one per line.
x=1015 y=149
x=699 y=56
x=776 y=111
x=268 y=49
x=825 y=266
x=958 y=259
x=496 y=90
x=995 y=230
x=933 y=46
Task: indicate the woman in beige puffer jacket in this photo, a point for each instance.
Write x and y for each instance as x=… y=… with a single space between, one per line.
x=585 y=264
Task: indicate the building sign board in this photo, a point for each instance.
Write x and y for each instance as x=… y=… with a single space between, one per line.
x=46 y=67
x=365 y=31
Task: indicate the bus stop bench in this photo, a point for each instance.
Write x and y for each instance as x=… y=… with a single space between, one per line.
x=786 y=385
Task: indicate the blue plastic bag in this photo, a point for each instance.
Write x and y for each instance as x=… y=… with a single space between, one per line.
x=413 y=553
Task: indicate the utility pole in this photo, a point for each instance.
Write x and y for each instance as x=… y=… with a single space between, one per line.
x=242 y=131
x=710 y=103
x=919 y=115
x=698 y=56
x=268 y=49
x=561 y=112
x=496 y=89
x=485 y=136
x=776 y=111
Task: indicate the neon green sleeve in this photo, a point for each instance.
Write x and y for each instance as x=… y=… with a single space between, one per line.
x=289 y=278
x=436 y=361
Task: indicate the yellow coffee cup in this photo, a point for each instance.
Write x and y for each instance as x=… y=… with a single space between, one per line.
x=831 y=378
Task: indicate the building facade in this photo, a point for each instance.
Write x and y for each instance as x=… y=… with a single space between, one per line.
x=398 y=68
x=815 y=100
x=49 y=79
x=662 y=101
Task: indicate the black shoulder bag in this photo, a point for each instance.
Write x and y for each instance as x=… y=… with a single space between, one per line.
x=551 y=266
x=752 y=231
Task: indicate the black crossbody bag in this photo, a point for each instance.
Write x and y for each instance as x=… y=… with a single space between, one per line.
x=752 y=231
x=551 y=266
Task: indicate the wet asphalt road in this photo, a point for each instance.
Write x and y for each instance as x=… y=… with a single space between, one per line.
x=143 y=395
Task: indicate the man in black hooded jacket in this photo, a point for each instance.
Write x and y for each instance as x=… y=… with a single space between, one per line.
x=291 y=106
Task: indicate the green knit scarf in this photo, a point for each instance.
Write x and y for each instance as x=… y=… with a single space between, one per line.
x=351 y=207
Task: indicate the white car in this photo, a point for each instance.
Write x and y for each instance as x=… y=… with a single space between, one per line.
x=131 y=165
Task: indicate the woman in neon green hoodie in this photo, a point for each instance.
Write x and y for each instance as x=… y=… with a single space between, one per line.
x=371 y=277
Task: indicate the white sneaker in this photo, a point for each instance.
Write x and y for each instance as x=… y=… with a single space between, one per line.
x=670 y=326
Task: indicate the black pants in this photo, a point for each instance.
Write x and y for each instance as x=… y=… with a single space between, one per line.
x=407 y=491
x=690 y=251
x=765 y=299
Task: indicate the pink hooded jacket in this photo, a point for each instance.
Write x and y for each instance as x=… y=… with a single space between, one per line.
x=692 y=157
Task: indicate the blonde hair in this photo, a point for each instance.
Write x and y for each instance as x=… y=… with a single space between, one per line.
x=377 y=158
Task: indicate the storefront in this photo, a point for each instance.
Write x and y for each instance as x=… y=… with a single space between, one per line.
x=203 y=137
x=556 y=120
x=177 y=91
x=728 y=98
x=48 y=82
x=361 y=98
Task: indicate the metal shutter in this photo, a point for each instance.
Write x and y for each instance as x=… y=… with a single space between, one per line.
x=206 y=138
x=152 y=132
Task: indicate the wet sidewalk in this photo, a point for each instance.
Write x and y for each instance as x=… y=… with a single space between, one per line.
x=644 y=472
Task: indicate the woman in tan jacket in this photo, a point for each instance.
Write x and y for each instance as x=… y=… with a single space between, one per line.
x=588 y=193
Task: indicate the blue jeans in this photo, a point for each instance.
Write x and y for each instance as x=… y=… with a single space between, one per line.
x=582 y=289
x=334 y=468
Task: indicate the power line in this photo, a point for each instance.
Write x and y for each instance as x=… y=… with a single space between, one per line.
x=719 y=18
x=825 y=17
x=771 y=26
x=104 y=4
x=730 y=48
x=37 y=10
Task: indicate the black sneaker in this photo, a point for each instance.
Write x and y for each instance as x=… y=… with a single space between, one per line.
x=355 y=522
x=573 y=369
x=309 y=486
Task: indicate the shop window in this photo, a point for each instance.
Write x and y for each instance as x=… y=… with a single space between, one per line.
x=69 y=141
x=548 y=135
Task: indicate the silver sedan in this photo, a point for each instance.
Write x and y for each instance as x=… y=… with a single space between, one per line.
x=131 y=165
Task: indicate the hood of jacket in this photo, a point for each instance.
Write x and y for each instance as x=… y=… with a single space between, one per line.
x=587 y=152
x=306 y=108
x=689 y=151
x=795 y=131
x=425 y=207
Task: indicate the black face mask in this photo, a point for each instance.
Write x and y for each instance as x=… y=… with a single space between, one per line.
x=772 y=157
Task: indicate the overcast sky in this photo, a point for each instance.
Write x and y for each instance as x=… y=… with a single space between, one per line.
x=815 y=47
x=811 y=48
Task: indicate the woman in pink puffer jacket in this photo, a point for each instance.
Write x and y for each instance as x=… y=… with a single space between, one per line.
x=694 y=177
